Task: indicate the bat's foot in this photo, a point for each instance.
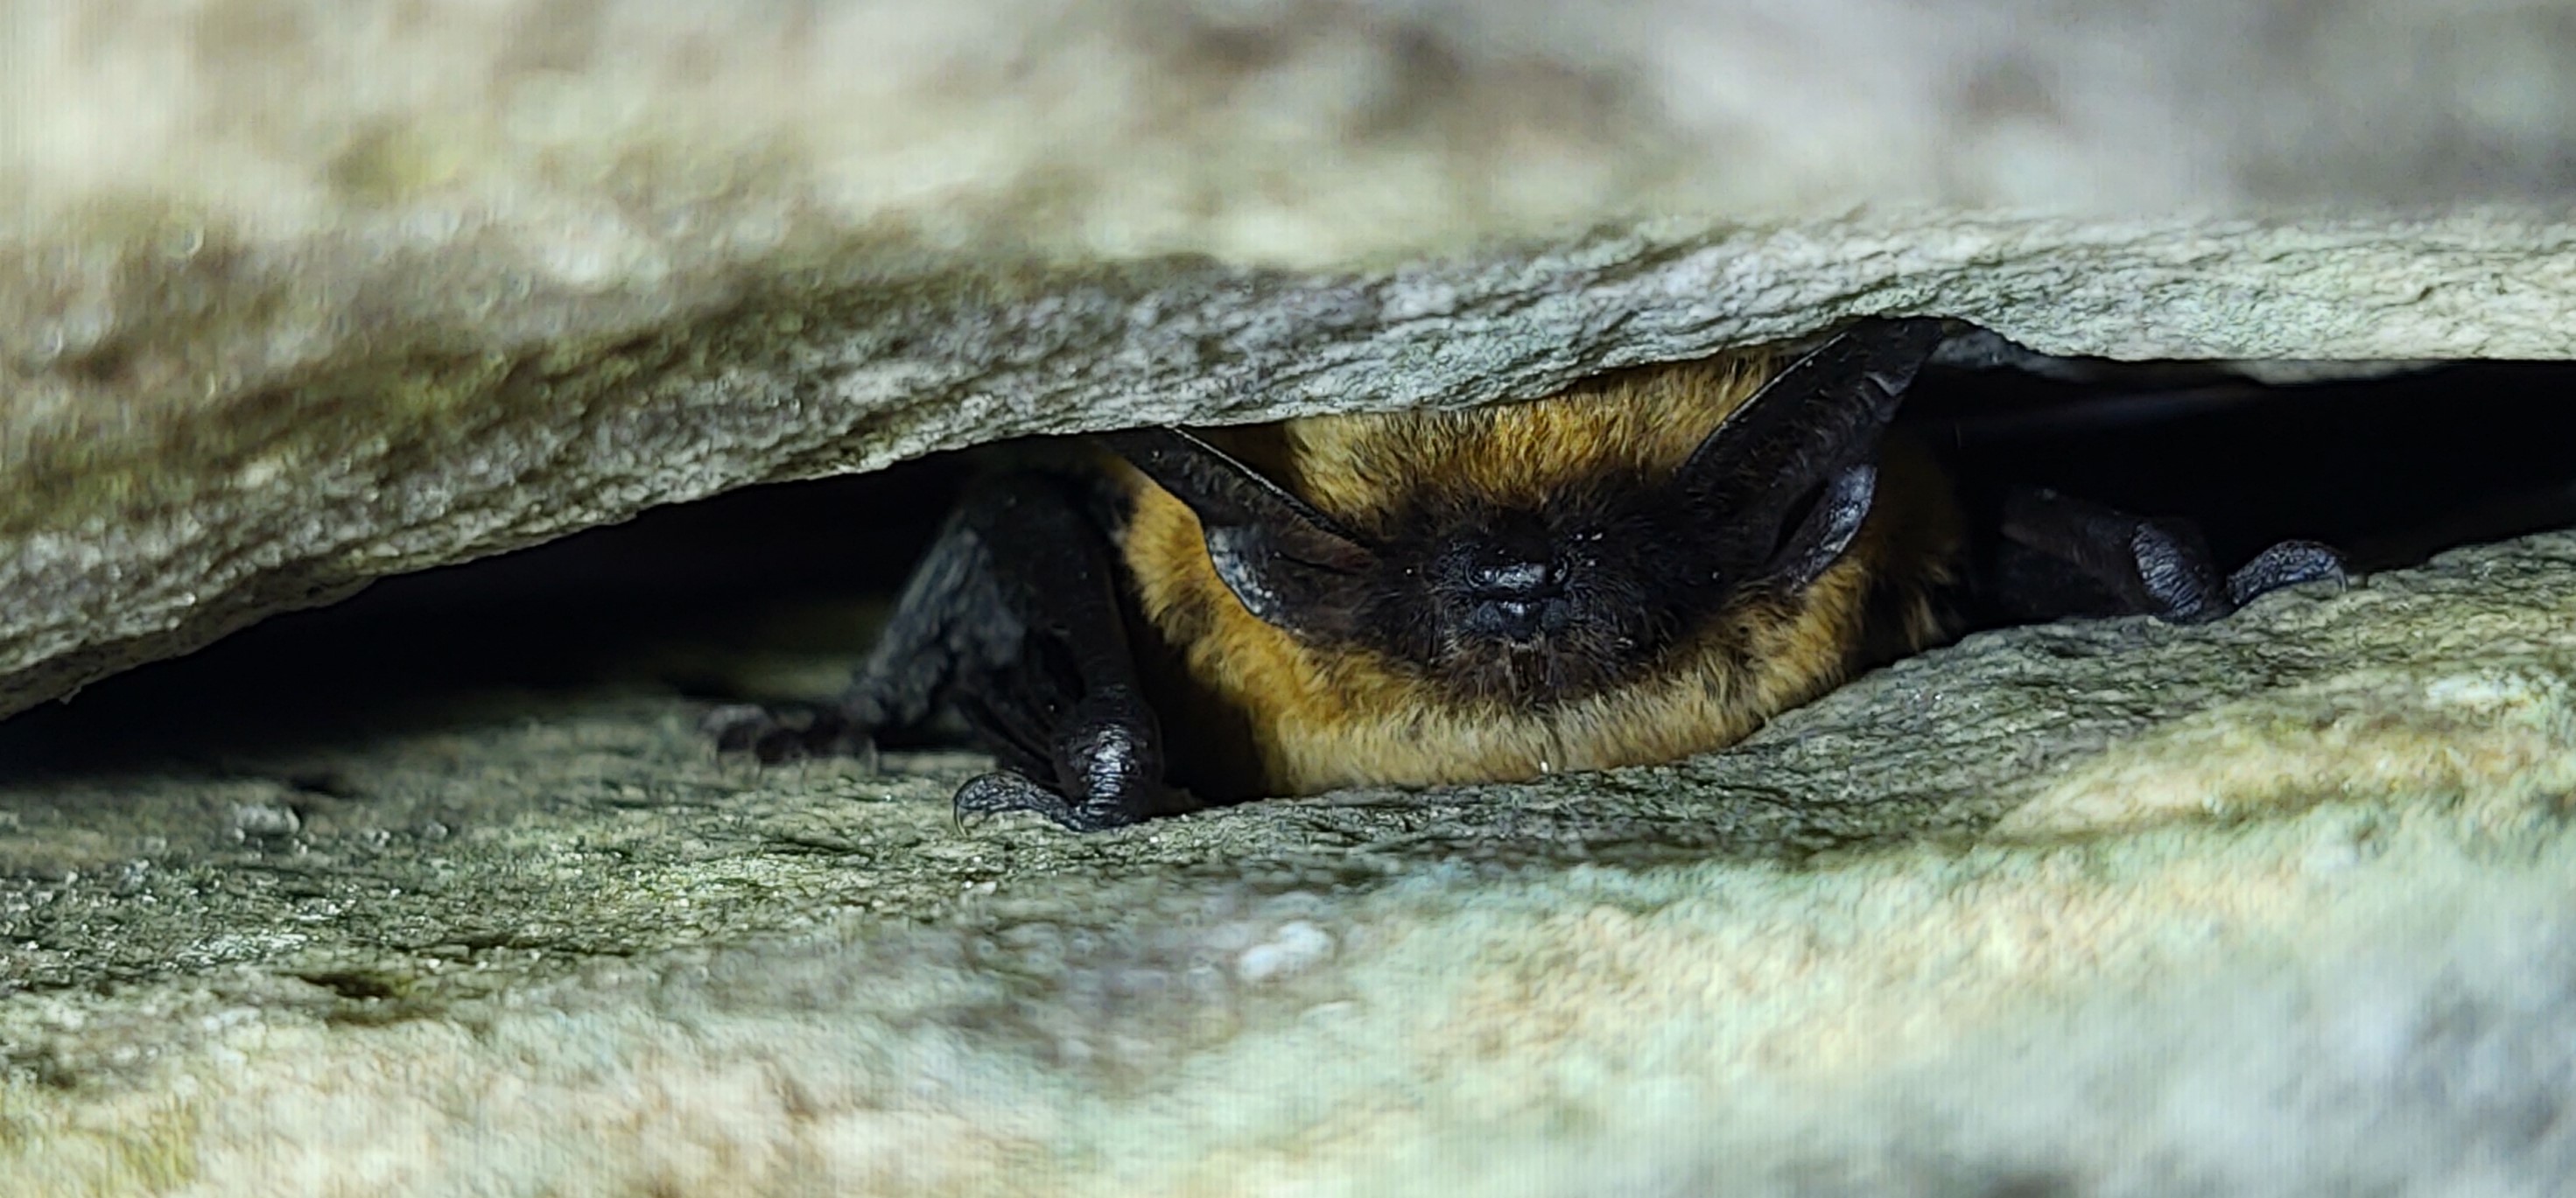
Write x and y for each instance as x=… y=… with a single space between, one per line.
x=1099 y=755
x=1003 y=791
x=788 y=732
x=2169 y=574
x=2071 y=557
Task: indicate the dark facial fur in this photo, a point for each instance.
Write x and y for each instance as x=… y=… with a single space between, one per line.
x=1533 y=605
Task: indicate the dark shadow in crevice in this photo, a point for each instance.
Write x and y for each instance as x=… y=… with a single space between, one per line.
x=2391 y=469
x=670 y=604
x=660 y=604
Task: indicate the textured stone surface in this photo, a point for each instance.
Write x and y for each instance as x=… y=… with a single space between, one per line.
x=296 y=294
x=2241 y=929
x=483 y=275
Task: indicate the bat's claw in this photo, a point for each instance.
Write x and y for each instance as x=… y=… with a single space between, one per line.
x=2287 y=564
x=1004 y=791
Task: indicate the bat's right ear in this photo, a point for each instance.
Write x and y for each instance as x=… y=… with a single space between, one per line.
x=1289 y=564
x=1787 y=478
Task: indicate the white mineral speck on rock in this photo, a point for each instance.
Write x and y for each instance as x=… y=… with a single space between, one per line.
x=1295 y=948
x=260 y=819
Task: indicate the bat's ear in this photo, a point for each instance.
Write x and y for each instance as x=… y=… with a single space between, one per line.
x=1289 y=564
x=1787 y=478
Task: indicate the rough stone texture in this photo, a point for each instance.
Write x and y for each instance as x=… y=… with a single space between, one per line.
x=2241 y=932
x=295 y=294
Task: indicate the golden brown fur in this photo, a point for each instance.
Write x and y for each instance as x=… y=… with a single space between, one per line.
x=1324 y=717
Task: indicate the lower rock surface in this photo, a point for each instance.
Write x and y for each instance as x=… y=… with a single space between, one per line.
x=2273 y=905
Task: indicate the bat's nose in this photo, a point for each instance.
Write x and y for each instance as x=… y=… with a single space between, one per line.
x=1511 y=577
x=1515 y=592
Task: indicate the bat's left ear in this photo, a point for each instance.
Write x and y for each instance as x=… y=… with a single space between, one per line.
x=1289 y=564
x=1788 y=477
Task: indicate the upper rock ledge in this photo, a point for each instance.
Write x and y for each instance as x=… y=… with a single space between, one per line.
x=482 y=276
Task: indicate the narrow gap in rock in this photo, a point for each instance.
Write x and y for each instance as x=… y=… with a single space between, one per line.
x=771 y=591
x=738 y=592
x=2391 y=469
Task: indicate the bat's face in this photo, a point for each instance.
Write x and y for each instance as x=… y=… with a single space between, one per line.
x=1529 y=605
x=1531 y=601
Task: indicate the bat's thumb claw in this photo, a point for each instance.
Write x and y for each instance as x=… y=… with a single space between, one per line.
x=2287 y=564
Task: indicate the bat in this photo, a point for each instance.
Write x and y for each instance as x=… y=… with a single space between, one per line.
x=1647 y=565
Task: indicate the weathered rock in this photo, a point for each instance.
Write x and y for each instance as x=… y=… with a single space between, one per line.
x=295 y=294
x=2280 y=906
x=484 y=276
